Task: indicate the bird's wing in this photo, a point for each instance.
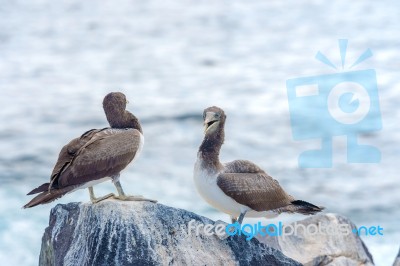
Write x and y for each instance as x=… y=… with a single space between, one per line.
x=249 y=185
x=105 y=153
x=242 y=166
x=68 y=153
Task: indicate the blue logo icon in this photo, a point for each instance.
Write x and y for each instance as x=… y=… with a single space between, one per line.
x=340 y=104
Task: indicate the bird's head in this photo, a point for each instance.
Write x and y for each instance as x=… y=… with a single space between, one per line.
x=115 y=101
x=114 y=105
x=213 y=117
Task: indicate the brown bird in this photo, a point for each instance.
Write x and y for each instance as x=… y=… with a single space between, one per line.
x=239 y=187
x=96 y=156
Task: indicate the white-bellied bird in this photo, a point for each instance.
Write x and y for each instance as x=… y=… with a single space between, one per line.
x=240 y=187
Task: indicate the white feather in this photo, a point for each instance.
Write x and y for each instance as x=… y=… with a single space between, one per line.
x=206 y=184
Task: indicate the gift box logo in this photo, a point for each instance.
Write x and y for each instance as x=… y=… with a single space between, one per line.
x=343 y=103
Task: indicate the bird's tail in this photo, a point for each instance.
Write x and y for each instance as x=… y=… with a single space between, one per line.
x=304 y=207
x=40 y=188
x=48 y=196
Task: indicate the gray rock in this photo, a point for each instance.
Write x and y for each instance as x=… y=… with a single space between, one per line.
x=326 y=246
x=142 y=233
x=397 y=260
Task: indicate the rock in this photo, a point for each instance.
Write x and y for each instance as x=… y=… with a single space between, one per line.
x=142 y=233
x=397 y=260
x=326 y=246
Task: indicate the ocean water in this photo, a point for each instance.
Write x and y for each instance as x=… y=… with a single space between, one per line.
x=173 y=59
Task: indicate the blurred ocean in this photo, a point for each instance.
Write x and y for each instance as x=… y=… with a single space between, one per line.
x=173 y=59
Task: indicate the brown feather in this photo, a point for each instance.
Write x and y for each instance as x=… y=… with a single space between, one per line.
x=46 y=197
x=95 y=155
x=258 y=191
x=65 y=157
x=69 y=151
x=242 y=180
x=247 y=184
x=107 y=153
x=98 y=153
x=41 y=188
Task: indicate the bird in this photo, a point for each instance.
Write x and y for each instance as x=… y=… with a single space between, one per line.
x=240 y=187
x=96 y=156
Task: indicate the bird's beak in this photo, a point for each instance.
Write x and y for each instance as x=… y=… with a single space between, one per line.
x=209 y=120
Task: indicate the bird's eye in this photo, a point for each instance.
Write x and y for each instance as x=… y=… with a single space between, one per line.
x=217 y=115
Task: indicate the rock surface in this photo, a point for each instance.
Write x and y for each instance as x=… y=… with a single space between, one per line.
x=326 y=246
x=142 y=233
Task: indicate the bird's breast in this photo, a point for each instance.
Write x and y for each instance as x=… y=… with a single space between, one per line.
x=206 y=184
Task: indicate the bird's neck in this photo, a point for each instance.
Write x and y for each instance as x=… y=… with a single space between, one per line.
x=122 y=119
x=210 y=148
x=132 y=121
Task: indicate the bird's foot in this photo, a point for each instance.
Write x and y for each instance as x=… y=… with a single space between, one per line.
x=96 y=200
x=220 y=229
x=133 y=198
x=122 y=196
